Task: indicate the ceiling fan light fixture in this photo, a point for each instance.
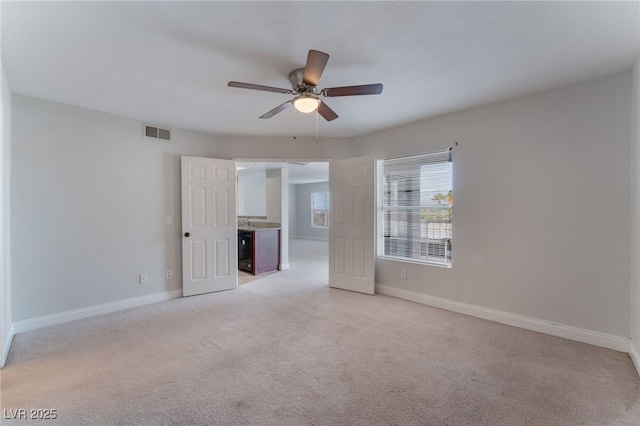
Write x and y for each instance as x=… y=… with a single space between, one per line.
x=306 y=103
x=304 y=86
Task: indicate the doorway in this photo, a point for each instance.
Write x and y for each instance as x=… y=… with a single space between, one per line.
x=213 y=183
x=264 y=198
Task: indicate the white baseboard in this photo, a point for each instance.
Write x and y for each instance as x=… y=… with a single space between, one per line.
x=595 y=338
x=6 y=345
x=91 y=311
x=635 y=355
x=284 y=266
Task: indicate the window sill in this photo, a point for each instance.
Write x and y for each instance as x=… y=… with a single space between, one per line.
x=414 y=261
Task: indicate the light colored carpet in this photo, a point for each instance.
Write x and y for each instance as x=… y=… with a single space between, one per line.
x=246 y=277
x=287 y=350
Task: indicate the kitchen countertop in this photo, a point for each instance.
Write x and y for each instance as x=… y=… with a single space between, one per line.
x=256 y=228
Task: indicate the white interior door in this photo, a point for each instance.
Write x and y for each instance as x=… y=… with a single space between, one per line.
x=352 y=224
x=209 y=227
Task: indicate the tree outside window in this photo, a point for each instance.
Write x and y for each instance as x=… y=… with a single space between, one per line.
x=417 y=206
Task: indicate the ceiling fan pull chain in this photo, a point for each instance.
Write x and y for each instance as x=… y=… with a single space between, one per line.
x=317 y=124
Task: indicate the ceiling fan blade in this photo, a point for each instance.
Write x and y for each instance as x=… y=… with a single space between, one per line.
x=326 y=112
x=316 y=61
x=259 y=87
x=366 y=89
x=277 y=109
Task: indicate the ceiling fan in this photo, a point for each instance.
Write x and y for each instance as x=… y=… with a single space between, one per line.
x=304 y=83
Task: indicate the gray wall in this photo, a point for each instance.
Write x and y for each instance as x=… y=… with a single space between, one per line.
x=635 y=219
x=89 y=198
x=282 y=148
x=303 y=211
x=541 y=205
x=5 y=222
x=90 y=195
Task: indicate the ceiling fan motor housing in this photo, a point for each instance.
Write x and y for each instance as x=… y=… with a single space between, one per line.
x=297 y=84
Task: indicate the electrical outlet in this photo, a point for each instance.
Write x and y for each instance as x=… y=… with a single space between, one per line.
x=168 y=274
x=403 y=274
x=142 y=278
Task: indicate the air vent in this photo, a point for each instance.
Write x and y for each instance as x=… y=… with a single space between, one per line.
x=156 y=132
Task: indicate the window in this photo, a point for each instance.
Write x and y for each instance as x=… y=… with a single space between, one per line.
x=416 y=208
x=320 y=209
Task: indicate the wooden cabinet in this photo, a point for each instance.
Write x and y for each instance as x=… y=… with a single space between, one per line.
x=265 y=250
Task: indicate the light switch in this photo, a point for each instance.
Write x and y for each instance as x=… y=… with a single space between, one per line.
x=168 y=220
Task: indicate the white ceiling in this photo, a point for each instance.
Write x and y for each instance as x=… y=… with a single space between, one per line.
x=168 y=63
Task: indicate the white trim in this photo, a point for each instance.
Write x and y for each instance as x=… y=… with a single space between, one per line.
x=635 y=356
x=91 y=311
x=415 y=261
x=284 y=266
x=6 y=345
x=595 y=338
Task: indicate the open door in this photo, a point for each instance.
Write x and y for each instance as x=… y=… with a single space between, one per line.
x=352 y=224
x=209 y=227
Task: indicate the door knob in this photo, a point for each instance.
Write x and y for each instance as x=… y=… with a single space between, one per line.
x=186 y=234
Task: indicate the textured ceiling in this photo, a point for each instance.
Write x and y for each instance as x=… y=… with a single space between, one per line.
x=168 y=63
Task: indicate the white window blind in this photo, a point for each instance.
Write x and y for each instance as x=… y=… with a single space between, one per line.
x=416 y=207
x=320 y=209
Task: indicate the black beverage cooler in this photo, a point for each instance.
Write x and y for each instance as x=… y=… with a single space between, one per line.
x=245 y=255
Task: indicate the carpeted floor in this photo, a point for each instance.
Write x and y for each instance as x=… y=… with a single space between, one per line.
x=285 y=349
x=246 y=277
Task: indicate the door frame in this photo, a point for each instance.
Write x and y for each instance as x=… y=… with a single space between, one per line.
x=284 y=235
